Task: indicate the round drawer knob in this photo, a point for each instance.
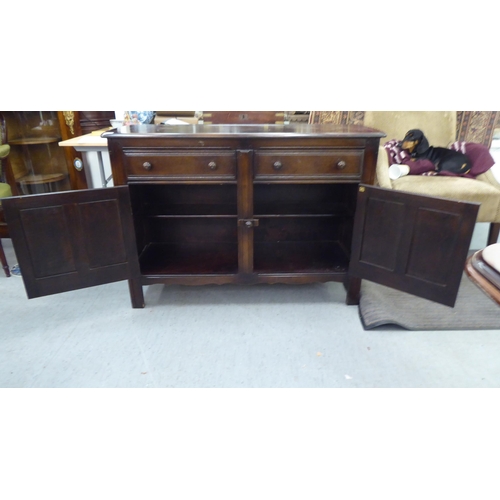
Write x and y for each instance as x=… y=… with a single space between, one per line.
x=277 y=165
x=248 y=223
x=212 y=165
x=147 y=166
x=341 y=164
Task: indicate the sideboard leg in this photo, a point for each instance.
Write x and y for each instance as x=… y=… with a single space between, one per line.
x=136 y=293
x=353 y=287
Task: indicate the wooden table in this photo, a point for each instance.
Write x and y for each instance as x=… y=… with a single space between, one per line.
x=93 y=146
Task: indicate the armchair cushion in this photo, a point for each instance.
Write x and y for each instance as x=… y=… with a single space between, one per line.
x=484 y=189
x=478 y=154
x=439 y=126
x=455 y=188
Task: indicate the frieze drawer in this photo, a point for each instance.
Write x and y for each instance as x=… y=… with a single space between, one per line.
x=181 y=164
x=308 y=164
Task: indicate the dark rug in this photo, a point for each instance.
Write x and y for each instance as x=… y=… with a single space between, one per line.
x=474 y=310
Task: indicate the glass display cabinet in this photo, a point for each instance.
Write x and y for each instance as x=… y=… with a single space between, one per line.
x=39 y=164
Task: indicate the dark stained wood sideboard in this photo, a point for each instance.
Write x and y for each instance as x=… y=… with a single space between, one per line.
x=241 y=204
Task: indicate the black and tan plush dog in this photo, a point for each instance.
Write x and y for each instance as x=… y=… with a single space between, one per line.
x=418 y=146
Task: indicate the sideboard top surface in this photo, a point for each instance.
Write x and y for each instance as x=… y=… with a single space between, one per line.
x=246 y=131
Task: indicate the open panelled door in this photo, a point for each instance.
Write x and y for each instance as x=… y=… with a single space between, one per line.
x=71 y=240
x=412 y=243
x=77 y=239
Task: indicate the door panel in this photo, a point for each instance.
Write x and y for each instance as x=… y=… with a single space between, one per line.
x=389 y=215
x=45 y=230
x=94 y=225
x=71 y=240
x=416 y=244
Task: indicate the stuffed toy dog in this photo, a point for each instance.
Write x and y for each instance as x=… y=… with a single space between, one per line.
x=443 y=159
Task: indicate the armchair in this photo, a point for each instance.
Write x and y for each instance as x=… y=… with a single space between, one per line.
x=440 y=128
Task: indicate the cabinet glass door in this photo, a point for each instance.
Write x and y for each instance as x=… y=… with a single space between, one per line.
x=38 y=162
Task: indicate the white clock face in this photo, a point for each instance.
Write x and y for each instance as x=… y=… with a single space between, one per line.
x=78 y=164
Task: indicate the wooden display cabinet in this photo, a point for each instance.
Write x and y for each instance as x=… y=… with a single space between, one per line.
x=39 y=164
x=208 y=204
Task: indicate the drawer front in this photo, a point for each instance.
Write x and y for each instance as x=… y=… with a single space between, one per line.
x=181 y=164
x=308 y=164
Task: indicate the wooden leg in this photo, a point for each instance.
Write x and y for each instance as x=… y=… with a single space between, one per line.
x=3 y=259
x=493 y=233
x=353 y=287
x=136 y=293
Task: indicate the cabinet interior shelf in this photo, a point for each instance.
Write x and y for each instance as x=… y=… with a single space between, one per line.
x=234 y=216
x=27 y=141
x=302 y=215
x=191 y=216
x=319 y=210
x=174 y=210
x=222 y=258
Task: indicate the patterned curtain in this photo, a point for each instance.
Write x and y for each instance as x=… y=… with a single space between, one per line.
x=477 y=126
x=472 y=126
x=337 y=117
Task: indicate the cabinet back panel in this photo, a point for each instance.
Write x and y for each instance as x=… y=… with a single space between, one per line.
x=305 y=198
x=158 y=199
x=195 y=230
x=299 y=229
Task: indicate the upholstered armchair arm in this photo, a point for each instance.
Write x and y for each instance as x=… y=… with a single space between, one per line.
x=382 y=178
x=489 y=177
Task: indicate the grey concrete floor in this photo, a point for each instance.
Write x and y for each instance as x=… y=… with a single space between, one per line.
x=225 y=336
